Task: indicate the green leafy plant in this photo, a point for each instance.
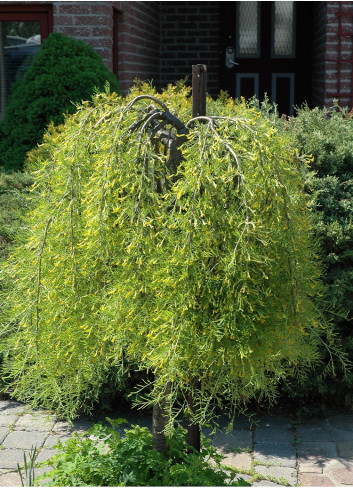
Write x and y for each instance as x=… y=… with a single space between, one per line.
x=101 y=457
x=64 y=72
x=182 y=248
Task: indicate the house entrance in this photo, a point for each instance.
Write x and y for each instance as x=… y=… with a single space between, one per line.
x=266 y=49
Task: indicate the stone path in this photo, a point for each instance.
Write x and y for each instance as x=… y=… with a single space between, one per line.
x=273 y=452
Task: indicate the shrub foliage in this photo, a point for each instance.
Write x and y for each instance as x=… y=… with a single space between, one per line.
x=204 y=271
x=14 y=192
x=129 y=460
x=65 y=71
x=327 y=135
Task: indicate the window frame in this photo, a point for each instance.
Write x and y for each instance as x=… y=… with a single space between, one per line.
x=258 y=32
x=42 y=13
x=294 y=34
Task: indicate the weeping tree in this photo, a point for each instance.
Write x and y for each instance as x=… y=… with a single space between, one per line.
x=179 y=246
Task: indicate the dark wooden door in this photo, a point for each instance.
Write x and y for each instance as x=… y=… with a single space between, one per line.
x=271 y=42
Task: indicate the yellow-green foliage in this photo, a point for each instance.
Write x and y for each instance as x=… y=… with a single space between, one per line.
x=209 y=274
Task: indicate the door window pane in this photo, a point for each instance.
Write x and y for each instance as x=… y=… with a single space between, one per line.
x=283 y=29
x=283 y=92
x=248 y=29
x=247 y=85
x=19 y=42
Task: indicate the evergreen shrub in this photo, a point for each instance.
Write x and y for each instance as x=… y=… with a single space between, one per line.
x=327 y=135
x=207 y=271
x=64 y=72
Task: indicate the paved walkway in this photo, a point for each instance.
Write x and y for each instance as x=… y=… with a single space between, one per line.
x=273 y=452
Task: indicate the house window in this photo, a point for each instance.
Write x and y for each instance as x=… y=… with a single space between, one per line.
x=22 y=29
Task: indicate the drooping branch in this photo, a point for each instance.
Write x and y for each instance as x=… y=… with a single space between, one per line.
x=155 y=122
x=39 y=276
x=212 y=122
x=148 y=97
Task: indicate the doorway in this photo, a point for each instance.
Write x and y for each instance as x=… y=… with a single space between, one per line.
x=266 y=48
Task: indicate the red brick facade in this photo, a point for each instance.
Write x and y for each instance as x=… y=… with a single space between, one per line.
x=161 y=40
x=319 y=57
x=339 y=53
x=125 y=34
x=190 y=34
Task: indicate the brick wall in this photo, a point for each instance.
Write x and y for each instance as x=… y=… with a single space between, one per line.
x=189 y=35
x=339 y=53
x=138 y=42
x=124 y=34
x=161 y=40
x=88 y=21
x=128 y=37
x=319 y=58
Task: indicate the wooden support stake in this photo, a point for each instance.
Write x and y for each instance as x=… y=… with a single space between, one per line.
x=199 y=88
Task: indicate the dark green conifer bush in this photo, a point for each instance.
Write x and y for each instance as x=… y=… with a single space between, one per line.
x=64 y=72
x=327 y=135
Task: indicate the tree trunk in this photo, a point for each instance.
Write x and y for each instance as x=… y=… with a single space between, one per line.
x=159 y=421
x=194 y=433
x=2 y=78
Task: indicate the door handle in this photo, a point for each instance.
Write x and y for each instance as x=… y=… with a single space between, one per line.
x=230 y=55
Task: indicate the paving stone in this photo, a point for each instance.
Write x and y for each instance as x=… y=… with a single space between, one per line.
x=316 y=451
x=246 y=477
x=54 y=439
x=311 y=480
x=345 y=449
x=287 y=473
x=3 y=434
x=314 y=467
x=234 y=439
x=343 y=421
x=343 y=476
x=45 y=455
x=143 y=421
x=208 y=433
x=276 y=422
x=11 y=479
x=266 y=484
x=240 y=461
x=318 y=433
x=78 y=426
x=240 y=422
x=11 y=407
x=10 y=458
x=275 y=435
x=38 y=422
x=280 y=454
x=60 y=427
x=39 y=472
x=24 y=439
x=8 y=419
